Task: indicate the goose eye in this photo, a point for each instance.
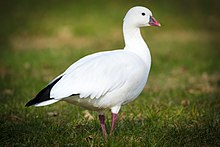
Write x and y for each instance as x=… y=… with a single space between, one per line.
x=143 y=14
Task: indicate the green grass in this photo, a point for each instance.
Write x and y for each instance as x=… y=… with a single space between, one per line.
x=179 y=106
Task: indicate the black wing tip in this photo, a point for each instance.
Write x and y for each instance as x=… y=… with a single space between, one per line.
x=30 y=103
x=43 y=95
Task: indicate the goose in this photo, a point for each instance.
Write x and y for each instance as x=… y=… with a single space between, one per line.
x=108 y=79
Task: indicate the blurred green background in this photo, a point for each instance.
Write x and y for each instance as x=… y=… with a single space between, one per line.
x=179 y=106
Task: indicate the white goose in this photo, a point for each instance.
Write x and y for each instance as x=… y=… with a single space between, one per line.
x=107 y=79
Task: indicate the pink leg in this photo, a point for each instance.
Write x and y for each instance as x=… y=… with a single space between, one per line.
x=102 y=123
x=114 y=117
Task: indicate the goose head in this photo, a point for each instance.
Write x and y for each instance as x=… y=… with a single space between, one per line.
x=139 y=16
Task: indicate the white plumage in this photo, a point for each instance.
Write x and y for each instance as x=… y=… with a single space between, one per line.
x=107 y=79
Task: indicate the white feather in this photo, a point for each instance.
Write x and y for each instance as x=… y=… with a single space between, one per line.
x=97 y=76
x=48 y=102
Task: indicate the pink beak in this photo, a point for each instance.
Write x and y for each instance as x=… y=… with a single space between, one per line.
x=154 y=22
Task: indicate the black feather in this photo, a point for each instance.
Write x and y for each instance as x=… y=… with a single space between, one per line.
x=43 y=95
x=74 y=95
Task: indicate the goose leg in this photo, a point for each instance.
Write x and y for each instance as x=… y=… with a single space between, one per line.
x=114 y=117
x=102 y=123
x=115 y=111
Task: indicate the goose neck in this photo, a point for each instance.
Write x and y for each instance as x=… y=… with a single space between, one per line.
x=132 y=36
x=135 y=43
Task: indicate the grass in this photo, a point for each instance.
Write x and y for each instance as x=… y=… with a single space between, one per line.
x=179 y=106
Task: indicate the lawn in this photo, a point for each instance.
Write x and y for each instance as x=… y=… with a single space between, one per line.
x=180 y=105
